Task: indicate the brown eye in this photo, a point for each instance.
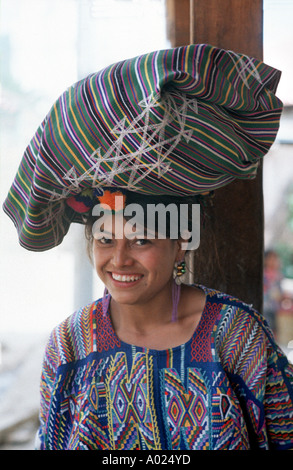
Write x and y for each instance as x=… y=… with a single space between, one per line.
x=104 y=241
x=141 y=241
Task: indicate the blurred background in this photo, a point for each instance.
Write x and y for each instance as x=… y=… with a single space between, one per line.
x=45 y=46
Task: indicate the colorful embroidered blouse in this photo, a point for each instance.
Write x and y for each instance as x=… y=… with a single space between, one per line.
x=228 y=387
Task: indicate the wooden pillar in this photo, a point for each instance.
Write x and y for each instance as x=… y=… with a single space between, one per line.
x=234 y=264
x=178 y=22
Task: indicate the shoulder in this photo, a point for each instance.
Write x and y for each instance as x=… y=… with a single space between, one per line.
x=214 y=295
x=241 y=333
x=236 y=319
x=233 y=307
x=72 y=339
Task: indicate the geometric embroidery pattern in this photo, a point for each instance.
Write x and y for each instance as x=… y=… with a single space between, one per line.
x=200 y=347
x=133 y=423
x=229 y=387
x=229 y=431
x=186 y=410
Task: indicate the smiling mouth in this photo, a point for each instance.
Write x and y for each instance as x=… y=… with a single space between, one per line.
x=126 y=277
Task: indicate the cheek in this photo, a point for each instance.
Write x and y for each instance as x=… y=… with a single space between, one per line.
x=161 y=264
x=98 y=260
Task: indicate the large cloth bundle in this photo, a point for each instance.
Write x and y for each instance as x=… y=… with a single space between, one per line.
x=180 y=121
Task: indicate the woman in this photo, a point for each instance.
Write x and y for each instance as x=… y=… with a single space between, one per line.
x=154 y=365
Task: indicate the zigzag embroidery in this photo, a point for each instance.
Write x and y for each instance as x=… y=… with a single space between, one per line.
x=133 y=425
x=245 y=68
x=152 y=139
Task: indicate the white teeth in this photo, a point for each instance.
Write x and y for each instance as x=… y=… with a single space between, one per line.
x=125 y=278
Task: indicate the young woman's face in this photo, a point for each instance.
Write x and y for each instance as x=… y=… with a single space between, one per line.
x=135 y=269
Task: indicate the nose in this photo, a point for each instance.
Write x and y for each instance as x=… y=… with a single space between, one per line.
x=121 y=255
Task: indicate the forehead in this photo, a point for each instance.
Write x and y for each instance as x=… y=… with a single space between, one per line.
x=118 y=227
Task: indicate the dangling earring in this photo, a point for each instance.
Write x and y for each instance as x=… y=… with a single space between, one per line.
x=106 y=301
x=176 y=290
x=179 y=270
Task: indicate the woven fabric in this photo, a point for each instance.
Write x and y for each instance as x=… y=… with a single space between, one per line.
x=228 y=387
x=177 y=121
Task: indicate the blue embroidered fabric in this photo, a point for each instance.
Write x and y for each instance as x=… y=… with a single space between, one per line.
x=228 y=387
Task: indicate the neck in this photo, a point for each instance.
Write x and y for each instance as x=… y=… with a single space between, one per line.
x=151 y=326
x=143 y=316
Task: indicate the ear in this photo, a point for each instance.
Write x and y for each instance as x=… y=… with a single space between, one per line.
x=180 y=251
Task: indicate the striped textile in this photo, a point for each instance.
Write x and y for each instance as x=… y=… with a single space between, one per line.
x=178 y=121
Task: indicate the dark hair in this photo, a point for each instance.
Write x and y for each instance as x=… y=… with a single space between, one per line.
x=144 y=201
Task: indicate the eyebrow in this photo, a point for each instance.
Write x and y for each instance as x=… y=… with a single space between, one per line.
x=102 y=234
x=143 y=232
